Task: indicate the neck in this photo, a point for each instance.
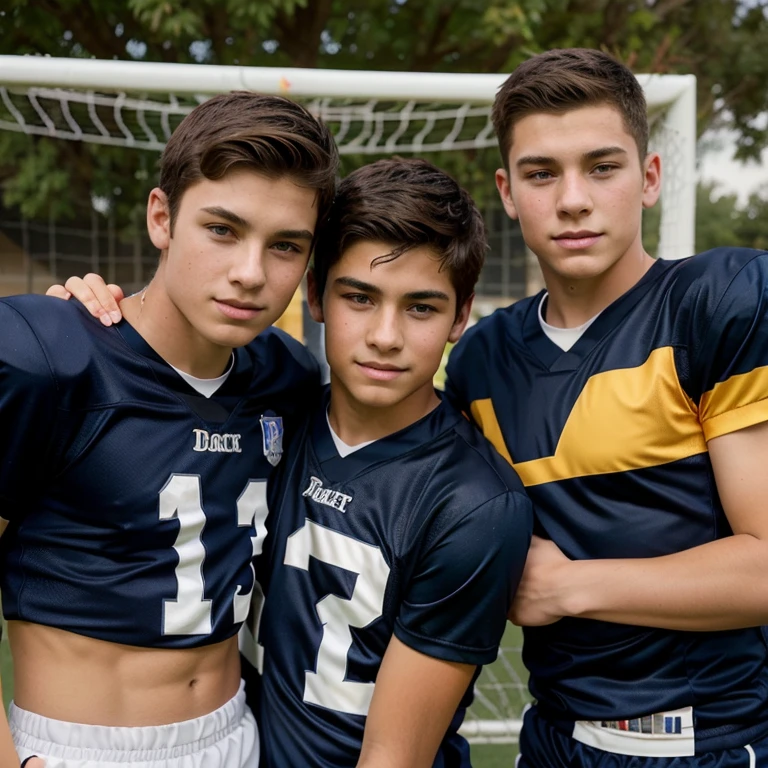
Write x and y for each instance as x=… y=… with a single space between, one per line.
x=169 y=333
x=355 y=422
x=573 y=301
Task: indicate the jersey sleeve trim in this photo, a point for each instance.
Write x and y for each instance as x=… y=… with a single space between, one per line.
x=736 y=403
x=442 y=649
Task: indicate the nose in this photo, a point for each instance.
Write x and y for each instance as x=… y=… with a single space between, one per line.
x=248 y=267
x=384 y=330
x=574 y=197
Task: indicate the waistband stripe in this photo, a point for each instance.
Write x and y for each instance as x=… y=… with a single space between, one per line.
x=665 y=734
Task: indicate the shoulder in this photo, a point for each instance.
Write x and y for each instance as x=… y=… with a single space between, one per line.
x=709 y=275
x=490 y=330
x=41 y=332
x=280 y=354
x=478 y=473
x=475 y=354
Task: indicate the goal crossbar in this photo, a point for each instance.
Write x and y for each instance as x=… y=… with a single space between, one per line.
x=159 y=77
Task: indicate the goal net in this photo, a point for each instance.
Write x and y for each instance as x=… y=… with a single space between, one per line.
x=138 y=104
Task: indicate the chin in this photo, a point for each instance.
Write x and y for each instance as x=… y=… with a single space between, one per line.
x=582 y=267
x=237 y=337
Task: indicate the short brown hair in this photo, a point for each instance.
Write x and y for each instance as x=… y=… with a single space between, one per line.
x=267 y=134
x=405 y=203
x=561 y=80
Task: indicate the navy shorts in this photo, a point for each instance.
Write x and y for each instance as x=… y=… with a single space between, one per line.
x=542 y=745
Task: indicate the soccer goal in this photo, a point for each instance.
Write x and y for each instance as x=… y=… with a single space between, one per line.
x=138 y=104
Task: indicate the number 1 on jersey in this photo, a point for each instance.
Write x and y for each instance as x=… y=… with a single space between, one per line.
x=190 y=612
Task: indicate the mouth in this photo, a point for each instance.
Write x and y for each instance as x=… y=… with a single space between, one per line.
x=578 y=240
x=238 y=310
x=380 y=371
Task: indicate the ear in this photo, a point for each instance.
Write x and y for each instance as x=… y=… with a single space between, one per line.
x=159 y=219
x=505 y=192
x=460 y=323
x=651 y=179
x=314 y=300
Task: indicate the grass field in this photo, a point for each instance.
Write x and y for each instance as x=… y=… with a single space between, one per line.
x=499 y=686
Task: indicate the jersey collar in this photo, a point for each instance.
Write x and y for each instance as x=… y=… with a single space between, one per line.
x=422 y=432
x=555 y=359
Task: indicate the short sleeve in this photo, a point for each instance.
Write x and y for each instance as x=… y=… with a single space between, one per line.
x=727 y=354
x=457 y=603
x=27 y=412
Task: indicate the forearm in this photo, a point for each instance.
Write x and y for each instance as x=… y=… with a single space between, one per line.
x=716 y=586
x=414 y=701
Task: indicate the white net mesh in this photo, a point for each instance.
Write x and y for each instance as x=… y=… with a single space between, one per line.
x=372 y=126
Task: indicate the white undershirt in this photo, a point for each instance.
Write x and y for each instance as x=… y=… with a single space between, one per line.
x=344 y=449
x=565 y=338
x=206 y=387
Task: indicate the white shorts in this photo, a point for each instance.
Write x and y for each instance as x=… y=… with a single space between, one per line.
x=225 y=738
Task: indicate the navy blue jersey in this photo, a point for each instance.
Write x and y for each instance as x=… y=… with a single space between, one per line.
x=422 y=534
x=610 y=440
x=135 y=504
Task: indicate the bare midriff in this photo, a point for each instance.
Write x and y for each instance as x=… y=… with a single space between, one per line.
x=78 y=679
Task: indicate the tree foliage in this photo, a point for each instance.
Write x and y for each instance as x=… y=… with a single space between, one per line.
x=722 y=42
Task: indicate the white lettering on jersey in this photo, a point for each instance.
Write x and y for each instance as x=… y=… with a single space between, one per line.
x=327 y=496
x=215 y=443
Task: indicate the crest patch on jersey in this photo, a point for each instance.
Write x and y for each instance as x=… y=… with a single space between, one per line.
x=272 y=434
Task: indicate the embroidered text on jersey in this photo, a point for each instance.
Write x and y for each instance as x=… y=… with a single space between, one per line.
x=216 y=443
x=327 y=496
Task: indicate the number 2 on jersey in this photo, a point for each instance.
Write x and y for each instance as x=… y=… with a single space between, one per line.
x=189 y=613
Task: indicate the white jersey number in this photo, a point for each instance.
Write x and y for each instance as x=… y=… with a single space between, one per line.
x=328 y=686
x=189 y=613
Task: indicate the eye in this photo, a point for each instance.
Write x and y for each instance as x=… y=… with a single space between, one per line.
x=423 y=309
x=285 y=247
x=357 y=298
x=540 y=175
x=604 y=168
x=220 y=230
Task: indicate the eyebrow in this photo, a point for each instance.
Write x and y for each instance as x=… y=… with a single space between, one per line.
x=225 y=213
x=233 y=218
x=594 y=154
x=359 y=285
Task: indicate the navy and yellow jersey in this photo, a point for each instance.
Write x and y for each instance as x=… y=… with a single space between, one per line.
x=610 y=440
x=135 y=504
x=421 y=535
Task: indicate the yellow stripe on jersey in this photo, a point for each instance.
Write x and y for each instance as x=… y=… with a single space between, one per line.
x=738 y=402
x=624 y=419
x=485 y=417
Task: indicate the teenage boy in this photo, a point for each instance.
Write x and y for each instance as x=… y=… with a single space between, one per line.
x=396 y=534
x=632 y=398
x=134 y=459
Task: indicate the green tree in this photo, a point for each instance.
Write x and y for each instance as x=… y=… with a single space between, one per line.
x=717 y=217
x=752 y=223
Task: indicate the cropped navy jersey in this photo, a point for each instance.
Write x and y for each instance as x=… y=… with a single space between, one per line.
x=610 y=440
x=135 y=504
x=422 y=534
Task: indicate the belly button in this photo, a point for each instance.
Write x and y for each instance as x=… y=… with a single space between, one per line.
x=193 y=682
